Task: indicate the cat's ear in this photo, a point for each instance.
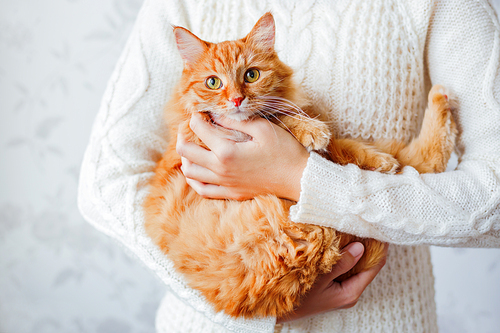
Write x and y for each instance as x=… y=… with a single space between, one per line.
x=190 y=47
x=262 y=34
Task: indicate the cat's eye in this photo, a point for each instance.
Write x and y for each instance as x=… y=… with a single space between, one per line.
x=213 y=82
x=252 y=75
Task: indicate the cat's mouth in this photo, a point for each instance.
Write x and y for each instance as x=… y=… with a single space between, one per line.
x=237 y=115
x=227 y=132
x=214 y=118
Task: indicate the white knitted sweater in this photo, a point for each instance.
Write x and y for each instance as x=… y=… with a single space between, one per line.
x=371 y=64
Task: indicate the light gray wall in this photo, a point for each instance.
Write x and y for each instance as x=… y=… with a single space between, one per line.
x=58 y=274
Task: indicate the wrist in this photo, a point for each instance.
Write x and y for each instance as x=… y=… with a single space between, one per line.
x=293 y=178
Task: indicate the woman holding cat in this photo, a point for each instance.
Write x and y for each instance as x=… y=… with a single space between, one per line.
x=370 y=63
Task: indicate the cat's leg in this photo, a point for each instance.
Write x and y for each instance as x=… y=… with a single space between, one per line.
x=431 y=150
x=363 y=154
x=315 y=135
x=312 y=133
x=427 y=153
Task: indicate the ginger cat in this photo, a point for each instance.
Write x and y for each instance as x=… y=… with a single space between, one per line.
x=246 y=257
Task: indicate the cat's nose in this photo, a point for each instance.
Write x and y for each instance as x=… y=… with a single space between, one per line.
x=237 y=101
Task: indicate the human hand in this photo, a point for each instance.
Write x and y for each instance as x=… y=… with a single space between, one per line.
x=271 y=162
x=328 y=295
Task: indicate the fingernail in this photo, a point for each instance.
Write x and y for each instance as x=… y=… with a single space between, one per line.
x=355 y=249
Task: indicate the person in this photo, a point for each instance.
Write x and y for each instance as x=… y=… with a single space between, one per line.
x=370 y=64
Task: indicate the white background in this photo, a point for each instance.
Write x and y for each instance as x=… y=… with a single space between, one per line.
x=58 y=274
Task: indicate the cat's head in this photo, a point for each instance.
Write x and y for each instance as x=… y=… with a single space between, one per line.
x=236 y=79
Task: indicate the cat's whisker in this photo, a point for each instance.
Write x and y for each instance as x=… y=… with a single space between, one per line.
x=284 y=126
x=271 y=110
x=283 y=111
x=282 y=107
x=284 y=101
x=273 y=114
x=281 y=100
x=270 y=124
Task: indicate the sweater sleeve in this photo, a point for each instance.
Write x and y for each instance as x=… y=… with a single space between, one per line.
x=457 y=208
x=127 y=140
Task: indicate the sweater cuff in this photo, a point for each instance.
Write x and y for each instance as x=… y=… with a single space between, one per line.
x=325 y=187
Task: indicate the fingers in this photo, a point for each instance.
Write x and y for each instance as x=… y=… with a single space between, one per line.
x=257 y=128
x=365 y=277
x=207 y=190
x=351 y=255
x=353 y=287
x=327 y=294
x=215 y=191
x=196 y=172
x=207 y=184
x=209 y=134
x=194 y=153
x=346 y=294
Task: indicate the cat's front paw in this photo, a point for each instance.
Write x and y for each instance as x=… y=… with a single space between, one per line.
x=317 y=139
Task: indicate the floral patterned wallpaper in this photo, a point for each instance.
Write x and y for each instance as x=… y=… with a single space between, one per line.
x=58 y=274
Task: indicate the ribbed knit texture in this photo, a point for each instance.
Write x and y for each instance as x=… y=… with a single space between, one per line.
x=368 y=65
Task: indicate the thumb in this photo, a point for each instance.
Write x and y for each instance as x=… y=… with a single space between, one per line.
x=350 y=256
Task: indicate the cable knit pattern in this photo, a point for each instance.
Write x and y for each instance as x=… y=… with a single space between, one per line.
x=368 y=66
x=383 y=50
x=459 y=208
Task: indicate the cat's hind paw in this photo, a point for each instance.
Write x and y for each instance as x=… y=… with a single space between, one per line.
x=388 y=164
x=438 y=119
x=437 y=94
x=381 y=162
x=440 y=96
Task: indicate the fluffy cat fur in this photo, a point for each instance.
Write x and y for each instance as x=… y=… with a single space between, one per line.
x=246 y=257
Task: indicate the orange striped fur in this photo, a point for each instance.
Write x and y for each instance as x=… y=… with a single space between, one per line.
x=246 y=257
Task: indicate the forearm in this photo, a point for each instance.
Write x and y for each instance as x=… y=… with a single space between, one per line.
x=449 y=209
x=459 y=208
